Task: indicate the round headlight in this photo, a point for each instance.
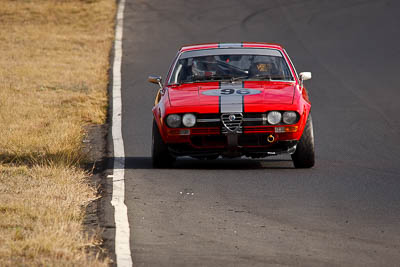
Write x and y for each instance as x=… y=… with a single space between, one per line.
x=189 y=120
x=289 y=117
x=174 y=120
x=274 y=117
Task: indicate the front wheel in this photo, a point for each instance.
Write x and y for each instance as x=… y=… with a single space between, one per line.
x=304 y=157
x=161 y=158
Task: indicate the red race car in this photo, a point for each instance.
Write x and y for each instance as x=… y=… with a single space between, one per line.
x=232 y=100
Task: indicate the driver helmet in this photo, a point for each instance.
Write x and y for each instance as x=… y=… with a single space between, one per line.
x=262 y=68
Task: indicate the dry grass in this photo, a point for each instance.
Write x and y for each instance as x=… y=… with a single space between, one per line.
x=53 y=79
x=41 y=218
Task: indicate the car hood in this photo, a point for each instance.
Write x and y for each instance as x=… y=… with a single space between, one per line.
x=224 y=94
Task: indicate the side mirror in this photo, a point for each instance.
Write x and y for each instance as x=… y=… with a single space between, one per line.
x=156 y=80
x=304 y=76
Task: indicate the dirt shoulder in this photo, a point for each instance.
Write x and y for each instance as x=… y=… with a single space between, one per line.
x=54 y=62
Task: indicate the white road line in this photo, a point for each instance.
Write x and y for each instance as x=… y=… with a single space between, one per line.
x=122 y=246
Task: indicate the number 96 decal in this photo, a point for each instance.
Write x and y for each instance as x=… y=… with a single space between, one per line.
x=231 y=91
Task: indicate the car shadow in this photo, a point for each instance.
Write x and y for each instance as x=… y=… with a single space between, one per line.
x=218 y=164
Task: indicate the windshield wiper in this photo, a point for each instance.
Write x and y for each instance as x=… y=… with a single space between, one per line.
x=212 y=78
x=233 y=79
x=282 y=78
x=271 y=78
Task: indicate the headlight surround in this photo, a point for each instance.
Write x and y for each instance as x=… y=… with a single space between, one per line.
x=174 y=120
x=189 y=120
x=289 y=117
x=274 y=117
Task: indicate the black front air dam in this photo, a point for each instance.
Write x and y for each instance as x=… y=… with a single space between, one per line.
x=279 y=147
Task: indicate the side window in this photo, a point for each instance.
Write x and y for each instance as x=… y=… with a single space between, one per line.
x=176 y=72
x=285 y=69
x=182 y=71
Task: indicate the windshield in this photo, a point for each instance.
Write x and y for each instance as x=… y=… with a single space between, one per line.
x=230 y=67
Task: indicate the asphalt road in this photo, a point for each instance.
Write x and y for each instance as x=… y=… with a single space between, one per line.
x=343 y=212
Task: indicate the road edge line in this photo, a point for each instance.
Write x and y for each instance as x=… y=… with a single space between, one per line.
x=122 y=230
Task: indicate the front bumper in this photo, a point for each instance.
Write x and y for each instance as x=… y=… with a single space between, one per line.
x=253 y=138
x=255 y=145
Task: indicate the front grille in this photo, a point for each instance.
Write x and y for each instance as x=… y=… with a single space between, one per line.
x=208 y=120
x=214 y=120
x=232 y=122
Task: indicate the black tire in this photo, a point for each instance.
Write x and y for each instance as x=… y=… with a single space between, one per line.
x=304 y=157
x=161 y=158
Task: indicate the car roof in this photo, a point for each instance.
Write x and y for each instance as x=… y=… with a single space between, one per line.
x=229 y=45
